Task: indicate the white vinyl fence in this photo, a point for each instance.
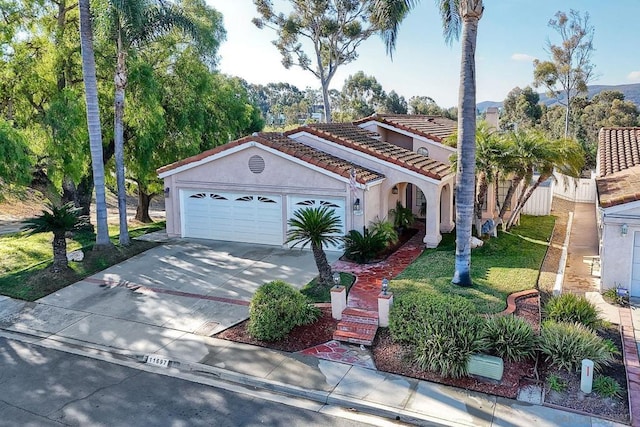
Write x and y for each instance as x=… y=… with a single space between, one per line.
x=581 y=190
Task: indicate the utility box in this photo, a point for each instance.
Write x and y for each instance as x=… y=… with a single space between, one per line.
x=486 y=366
x=586 y=376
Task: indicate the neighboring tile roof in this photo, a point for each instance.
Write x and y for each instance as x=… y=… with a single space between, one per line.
x=619 y=168
x=433 y=127
x=288 y=146
x=351 y=136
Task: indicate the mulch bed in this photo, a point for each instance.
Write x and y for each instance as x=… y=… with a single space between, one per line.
x=300 y=338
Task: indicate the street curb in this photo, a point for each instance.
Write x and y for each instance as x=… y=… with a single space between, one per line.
x=222 y=378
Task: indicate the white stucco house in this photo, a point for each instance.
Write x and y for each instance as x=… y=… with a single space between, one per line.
x=618 y=186
x=247 y=189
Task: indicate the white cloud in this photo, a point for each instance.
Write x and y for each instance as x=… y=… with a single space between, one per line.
x=522 y=57
x=634 y=76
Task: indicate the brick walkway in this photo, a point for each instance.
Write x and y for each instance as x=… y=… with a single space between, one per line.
x=364 y=293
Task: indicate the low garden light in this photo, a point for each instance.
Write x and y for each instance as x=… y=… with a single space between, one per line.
x=336 y=278
x=385 y=286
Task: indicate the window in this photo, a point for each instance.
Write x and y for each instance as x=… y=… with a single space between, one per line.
x=244 y=199
x=198 y=196
x=424 y=151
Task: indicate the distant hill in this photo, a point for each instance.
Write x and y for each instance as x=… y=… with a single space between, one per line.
x=631 y=93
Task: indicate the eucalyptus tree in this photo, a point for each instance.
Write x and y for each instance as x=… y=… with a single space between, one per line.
x=93 y=123
x=569 y=69
x=459 y=17
x=131 y=25
x=319 y=36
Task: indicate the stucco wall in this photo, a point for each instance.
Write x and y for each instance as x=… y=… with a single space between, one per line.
x=231 y=173
x=617 y=250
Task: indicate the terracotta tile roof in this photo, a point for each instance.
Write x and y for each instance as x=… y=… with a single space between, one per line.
x=619 y=168
x=351 y=136
x=433 y=127
x=288 y=146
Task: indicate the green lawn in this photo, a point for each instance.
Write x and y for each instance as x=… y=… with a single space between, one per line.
x=24 y=260
x=503 y=265
x=323 y=294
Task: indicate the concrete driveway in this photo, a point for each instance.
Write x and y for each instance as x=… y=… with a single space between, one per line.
x=145 y=303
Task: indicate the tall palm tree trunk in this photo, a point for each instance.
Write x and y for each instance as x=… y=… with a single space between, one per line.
x=481 y=197
x=465 y=179
x=515 y=182
x=93 y=123
x=120 y=81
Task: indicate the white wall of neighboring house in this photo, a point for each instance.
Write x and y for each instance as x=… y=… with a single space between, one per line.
x=620 y=247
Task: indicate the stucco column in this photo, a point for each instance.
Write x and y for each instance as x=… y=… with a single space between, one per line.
x=338 y=301
x=432 y=236
x=447 y=222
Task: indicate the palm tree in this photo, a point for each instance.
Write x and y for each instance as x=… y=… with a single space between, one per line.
x=134 y=22
x=457 y=16
x=57 y=220
x=316 y=226
x=93 y=123
x=564 y=155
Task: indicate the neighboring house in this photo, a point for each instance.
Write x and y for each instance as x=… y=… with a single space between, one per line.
x=618 y=185
x=247 y=189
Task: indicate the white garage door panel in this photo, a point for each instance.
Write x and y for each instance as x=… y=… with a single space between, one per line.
x=635 y=268
x=297 y=203
x=238 y=217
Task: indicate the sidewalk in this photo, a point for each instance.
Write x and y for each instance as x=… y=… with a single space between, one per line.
x=197 y=357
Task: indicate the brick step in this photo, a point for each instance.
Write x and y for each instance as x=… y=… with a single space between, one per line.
x=360 y=328
x=356 y=315
x=355 y=337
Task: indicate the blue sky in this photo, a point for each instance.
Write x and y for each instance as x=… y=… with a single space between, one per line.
x=511 y=33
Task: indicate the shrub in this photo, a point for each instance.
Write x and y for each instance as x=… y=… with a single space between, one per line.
x=572 y=308
x=556 y=383
x=607 y=387
x=362 y=248
x=387 y=229
x=276 y=308
x=566 y=344
x=510 y=337
x=443 y=329
x=402 y=217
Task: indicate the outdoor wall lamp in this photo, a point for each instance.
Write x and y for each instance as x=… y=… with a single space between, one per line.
x=624 y=229
x=356 y=205
x=394 y=190
x=166 y=191
x=336 y=278
x=385 y=286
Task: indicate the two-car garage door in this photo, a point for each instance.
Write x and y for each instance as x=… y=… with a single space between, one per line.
x=236 y=217
x=245 y=217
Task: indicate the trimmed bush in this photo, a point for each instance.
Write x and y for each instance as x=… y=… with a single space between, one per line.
x=363 y=247
x=572 y=308
x=566 y=344
x=443 y=329
x=276 y=308
x=607 y=387
x=510 y=337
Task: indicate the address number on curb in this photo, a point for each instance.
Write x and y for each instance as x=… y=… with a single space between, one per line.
x=158 y=361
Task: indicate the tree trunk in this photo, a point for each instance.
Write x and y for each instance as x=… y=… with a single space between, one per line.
x=60 y=262
x=324 y=269
x=93 y=122
x=515 y=182
x=69 y=192
x=326 y=101
x=120 y=81
x=465 y=178
x=142 y=211
x=512 y=218
x=481 y=197
x=527 y=194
